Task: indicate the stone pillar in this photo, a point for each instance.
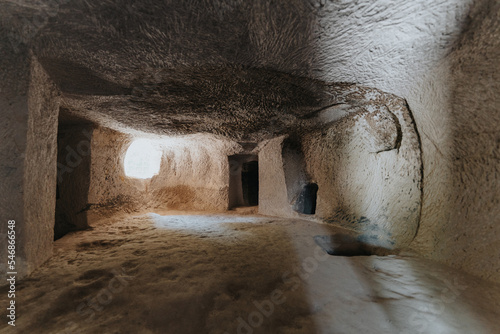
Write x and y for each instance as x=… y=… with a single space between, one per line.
x=14 y=85
x=28 y=132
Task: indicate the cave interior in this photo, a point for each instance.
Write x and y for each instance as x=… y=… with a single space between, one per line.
x=303 y=166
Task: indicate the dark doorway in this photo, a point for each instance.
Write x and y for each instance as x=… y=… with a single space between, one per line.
x=306 y=203
x=243 y=180
x=250 y=183
x=73 y=173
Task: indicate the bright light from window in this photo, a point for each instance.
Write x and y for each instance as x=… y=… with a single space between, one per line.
x=142 y=160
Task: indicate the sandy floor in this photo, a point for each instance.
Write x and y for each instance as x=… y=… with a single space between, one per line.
x=187 y=273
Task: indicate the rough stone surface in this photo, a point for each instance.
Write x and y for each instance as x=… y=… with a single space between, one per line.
x=179 y=272
x=253 y=70
x=35 y=236
x=13 y=129
x=368 y=170
x=460 y=124
x=194 y=173
x=273 y=198
x=366 y=163
x=28 y=162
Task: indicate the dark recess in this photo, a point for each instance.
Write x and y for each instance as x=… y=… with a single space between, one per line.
x=243 y=180
x=306 y=203
x=250 y=183
x=73 y=173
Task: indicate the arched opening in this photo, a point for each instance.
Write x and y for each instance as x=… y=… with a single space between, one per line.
x=143 y=158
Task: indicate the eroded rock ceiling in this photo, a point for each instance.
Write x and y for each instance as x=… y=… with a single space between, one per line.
x=248 y=70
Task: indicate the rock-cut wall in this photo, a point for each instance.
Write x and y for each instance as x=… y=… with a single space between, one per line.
x=363 y=154
x=29 y=107
x=193 y=175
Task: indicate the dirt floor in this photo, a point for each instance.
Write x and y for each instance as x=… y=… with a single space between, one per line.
x=173 y=272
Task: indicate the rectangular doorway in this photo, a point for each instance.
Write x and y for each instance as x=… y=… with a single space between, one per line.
x=243 y=180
